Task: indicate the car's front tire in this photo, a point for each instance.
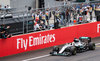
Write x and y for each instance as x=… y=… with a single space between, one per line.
x=73 y=50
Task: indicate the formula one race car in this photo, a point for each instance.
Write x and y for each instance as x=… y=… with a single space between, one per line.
x=84 y=44
x=67 y=50
x=79 y=45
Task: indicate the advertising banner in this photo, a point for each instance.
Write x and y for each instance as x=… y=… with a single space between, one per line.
x=44 y=39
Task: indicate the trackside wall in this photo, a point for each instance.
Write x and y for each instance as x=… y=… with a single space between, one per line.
x=40 y=40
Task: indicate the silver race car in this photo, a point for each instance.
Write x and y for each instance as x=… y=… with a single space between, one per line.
x=78 y=45
x=67 y=50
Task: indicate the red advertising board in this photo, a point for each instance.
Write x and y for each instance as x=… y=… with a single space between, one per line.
x=40 y=40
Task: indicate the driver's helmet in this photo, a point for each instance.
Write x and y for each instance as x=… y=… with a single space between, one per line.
x=68 y=43
x=76 y=40
x=55 y=47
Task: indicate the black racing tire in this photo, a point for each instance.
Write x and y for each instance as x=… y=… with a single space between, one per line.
x=73 y=50
x=56 y=49
x=52 y=53
x=91 y=46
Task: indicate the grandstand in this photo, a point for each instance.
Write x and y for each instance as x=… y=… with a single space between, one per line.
x=18 y=17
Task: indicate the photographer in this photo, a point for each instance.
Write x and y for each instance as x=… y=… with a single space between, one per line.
x=3 y=31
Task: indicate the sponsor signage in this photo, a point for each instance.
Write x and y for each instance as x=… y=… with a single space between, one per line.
x=98 y=28
x=40 y=40
x=32 y=41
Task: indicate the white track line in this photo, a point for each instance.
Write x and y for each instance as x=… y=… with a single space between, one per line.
x=97 y=44
x=44 y=56
x=37 y=57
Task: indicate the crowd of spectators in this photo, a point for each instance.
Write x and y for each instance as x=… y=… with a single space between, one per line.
x=6 y=8
x=41 y=19
x=62 y=16
x=76 y=14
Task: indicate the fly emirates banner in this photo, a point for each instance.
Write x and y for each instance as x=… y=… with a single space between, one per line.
x=44 y=39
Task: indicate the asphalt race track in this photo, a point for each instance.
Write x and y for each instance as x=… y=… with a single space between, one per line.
x=43 y=55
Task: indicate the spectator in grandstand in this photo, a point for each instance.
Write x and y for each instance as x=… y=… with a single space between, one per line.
x=90 y=11
x=3 y=31
x=93 y=6
x=67 y=15
x=80 y=19
x=40 y=12
x=8 y=7
x=33 y=15
x=98 y=6
x=40 y=16
x=0 y=6
x=57 y=14
x=47 y=16
x=5 y=7
x=43 y=18
x=56 y=23
x=62 y=18
x=37 y=17
x=57 y=19
x=85 y=14
x=50 y=13
x=42 y=25
x=36 y=26
x=29 y=8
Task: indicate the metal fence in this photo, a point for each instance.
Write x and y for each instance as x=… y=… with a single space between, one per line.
x=22 y=22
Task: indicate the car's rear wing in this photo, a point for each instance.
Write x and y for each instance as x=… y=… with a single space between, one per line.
x=85 y=38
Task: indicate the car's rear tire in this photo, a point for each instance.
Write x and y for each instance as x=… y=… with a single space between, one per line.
x=91 y=46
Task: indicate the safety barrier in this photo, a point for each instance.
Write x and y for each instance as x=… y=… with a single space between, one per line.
x=44 y=39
